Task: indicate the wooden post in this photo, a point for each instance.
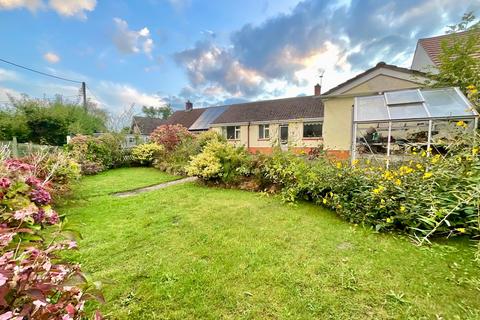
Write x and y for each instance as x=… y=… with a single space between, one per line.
x=84 y=94
x=14 y=147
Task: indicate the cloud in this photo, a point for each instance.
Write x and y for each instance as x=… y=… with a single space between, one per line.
x=118 y=96
x=210 y=66
x=129 y=41
x=7 y=75
x=32 y=5
x=51 y=57
x=281 y=56
x=73 y=8
x=66 y=8
x=179 y=4
x=6 y=93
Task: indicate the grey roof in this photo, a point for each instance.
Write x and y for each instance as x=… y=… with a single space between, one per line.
x=185 y=118
x=204 y=121
x=146 y=125
x=305 y=107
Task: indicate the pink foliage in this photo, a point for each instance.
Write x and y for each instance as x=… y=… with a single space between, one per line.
x=34 y=282
x=170 y=135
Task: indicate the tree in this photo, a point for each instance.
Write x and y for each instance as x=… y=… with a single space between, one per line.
x=458 y=65
x=158 y=112
x=33 y=120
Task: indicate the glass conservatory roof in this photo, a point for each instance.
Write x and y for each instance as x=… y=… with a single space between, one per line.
x=413 y=104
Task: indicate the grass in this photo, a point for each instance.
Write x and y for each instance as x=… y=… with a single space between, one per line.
x=118 y=180
x=192 y=252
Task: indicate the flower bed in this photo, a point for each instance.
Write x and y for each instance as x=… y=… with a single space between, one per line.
x=34 y=282
x=428 y=195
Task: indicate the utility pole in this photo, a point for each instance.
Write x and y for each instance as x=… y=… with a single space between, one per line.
x=84 y=94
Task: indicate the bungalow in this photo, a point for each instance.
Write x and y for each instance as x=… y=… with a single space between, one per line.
x=327 y=120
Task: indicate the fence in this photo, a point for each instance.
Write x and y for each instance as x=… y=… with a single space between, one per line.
x=19 y=150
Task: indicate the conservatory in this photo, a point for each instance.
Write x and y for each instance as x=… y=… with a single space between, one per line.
x=387 y=125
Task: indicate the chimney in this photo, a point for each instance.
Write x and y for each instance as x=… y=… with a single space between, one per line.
x=188 y=106
x=318 y=89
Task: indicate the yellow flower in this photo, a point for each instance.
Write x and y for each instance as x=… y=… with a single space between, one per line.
x=389 y=220
x=461 y=124
x=475 y=150
x=473 y=91
x=339 y=165
x=471 y=87
x=419 y=166
x=324 y=201
x=402 y=209
x=398 y=182
x=387 y=175
x=355 y=162
x=435 y=159
x=427 y=175
x=378 y=190
x=424 y=154
x=461 y=230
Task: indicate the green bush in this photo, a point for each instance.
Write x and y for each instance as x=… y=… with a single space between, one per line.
x=147 y=152
x=32 y=120
x=176 y=161
x=220 y=161
x=96 y=154
x=437 y=195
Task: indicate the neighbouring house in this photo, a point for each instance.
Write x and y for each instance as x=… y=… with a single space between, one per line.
x=290 y=123
x=196 y=120
x=325 y=120
x=427 y=52
x=141 y=129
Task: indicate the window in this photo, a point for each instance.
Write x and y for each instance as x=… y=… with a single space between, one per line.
x=312 y=130
x=231 y=132
x=264 y=131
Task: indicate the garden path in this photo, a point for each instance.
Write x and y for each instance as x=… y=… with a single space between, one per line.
x=133 y=192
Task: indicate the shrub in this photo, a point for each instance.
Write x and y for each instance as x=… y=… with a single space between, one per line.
x=176 y=161
x=34 y=282
x=170 y=136
x=56 y=167
x=424 y=196
x=95 y=154
x=220 y=161
x=146 y=153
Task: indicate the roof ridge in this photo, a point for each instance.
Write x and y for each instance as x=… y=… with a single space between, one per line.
x=449 y=34
x=262 y=101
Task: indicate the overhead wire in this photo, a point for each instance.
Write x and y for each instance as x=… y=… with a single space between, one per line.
x=39 y=72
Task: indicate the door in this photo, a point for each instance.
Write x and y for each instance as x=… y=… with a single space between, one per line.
x=284 y=136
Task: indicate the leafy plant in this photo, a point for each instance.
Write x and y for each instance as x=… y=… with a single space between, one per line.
x=219 y=160
x=95 y=154
x=34 y=282
x=176 y=161
x=147 y=152
x=170 y=136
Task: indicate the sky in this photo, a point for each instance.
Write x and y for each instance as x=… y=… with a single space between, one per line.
x=212 y=52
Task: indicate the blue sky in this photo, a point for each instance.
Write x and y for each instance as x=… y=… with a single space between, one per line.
x=211 y=52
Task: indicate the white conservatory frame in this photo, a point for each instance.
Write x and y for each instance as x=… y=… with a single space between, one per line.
x=409 y=106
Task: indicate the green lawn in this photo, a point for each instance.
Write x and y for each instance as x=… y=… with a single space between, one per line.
x=192 y=252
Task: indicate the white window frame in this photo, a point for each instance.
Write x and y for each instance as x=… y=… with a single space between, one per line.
x=236 y=134
x=263 y=131
x=312 y=123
